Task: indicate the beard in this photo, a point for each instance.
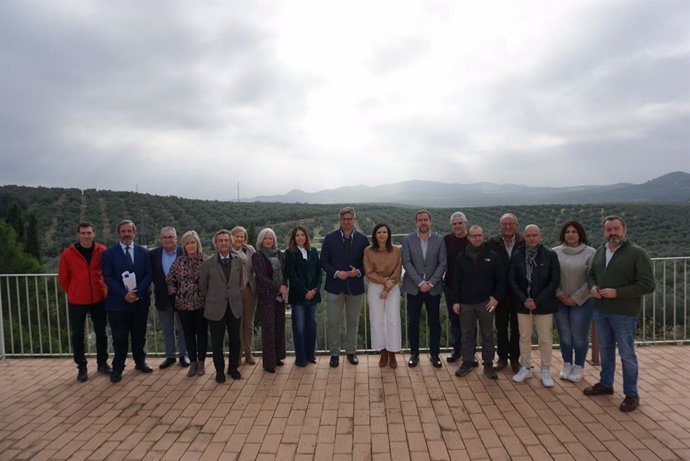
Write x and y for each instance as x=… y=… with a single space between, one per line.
x=615 y=240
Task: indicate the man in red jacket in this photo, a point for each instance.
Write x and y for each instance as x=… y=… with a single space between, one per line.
x=81 y=276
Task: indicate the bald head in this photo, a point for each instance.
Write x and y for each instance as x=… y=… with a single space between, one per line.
x=532 y=235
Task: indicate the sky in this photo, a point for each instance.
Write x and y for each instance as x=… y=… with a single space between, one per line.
x=193 y=98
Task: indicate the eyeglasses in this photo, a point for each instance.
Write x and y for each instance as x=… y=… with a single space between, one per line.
x=475 y=236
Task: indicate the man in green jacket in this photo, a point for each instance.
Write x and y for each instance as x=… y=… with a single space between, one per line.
x=621 y=275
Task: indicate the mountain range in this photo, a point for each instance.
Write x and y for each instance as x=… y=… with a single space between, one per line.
x=670 y=188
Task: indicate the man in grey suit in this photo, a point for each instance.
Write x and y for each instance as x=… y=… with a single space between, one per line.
x=220 y=282
x=424 y=260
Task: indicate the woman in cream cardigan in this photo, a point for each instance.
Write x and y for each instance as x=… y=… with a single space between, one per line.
x=383 y=266
x=575 y=307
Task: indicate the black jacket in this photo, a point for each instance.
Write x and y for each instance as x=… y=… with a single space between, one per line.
x=545 y=281
x=160 y=286
x=474 y=282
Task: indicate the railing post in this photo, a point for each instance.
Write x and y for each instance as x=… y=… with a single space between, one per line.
x=595 y=346
x=2 y=329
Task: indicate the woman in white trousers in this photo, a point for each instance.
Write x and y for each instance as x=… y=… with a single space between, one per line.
x=383 y=266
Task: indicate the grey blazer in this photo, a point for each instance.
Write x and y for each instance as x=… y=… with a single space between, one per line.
x=419 y=269
x=219 y=292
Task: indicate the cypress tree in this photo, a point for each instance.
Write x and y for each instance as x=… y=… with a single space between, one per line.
x=33 y=245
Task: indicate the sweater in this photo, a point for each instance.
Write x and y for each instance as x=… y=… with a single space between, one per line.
x=454 y=247
x=382 y=265
x=629 y=272
x=575 y=263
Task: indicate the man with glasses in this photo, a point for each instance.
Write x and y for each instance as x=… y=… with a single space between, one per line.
x=161 y=261
x=342 y=258
x=479 y=284
x=507 y=330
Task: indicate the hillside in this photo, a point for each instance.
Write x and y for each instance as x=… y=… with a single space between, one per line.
x=670 y=188
x=660 y=228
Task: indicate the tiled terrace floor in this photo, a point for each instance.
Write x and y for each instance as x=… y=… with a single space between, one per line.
x=350 y=412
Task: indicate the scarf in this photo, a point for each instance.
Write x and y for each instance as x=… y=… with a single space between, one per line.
x=272 y=256
x=530 y=259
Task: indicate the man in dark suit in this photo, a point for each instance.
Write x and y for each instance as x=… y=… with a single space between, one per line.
x=220 y=283
x=508 y=344
x=128 y=309
x=424 y=260
x=161 y=260
x=342 y=257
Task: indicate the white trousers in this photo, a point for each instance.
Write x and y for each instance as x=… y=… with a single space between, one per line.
x=384 y=316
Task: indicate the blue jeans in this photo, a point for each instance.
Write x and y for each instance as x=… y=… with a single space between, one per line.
x=573 y=330
x=414 y=311
x=304 y=333
x=617 y=329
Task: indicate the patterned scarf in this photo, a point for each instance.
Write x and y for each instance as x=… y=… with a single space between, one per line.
x=530 y=259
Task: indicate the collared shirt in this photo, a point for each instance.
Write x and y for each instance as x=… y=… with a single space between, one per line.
x=424 y=243
x=304 y=252
x=610 y=253
x=131 y=250
x=167 y=259
x=509 y=246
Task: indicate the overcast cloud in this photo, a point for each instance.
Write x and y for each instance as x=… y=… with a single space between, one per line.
x=189 y=98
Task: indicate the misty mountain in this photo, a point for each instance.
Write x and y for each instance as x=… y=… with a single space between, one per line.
x=669 y=188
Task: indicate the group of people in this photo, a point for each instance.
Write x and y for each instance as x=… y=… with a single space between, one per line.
x=511 y=284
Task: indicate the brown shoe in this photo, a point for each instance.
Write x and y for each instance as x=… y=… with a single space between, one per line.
x=501 y=364
x=392 y=362
x=383 y=359
x=515 y=365
x=193 y=368
x=201 y=369
x=249 y=360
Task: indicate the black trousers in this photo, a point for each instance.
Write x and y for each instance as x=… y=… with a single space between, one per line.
x=508 y=342
x=77 y=323
x=217 y=328
x=126 y=325
x=195 y=328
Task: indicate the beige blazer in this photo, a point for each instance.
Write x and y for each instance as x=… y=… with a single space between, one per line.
x=219 y=292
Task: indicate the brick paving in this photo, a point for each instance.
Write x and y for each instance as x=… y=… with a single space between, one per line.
x=319 y=413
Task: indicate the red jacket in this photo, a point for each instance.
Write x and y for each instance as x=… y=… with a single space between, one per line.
x=84 y=284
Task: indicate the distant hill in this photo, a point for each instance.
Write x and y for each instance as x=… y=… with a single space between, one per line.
x=669 y=188
x=661 y=228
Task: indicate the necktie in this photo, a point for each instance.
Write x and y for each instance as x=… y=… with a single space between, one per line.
x=225 y=261
x=129 y=256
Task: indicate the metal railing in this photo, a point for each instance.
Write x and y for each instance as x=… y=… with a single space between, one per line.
x=34 y=316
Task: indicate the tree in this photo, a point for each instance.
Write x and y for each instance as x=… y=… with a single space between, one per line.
x=13 y=259
x=32 y=244
x=16 y=220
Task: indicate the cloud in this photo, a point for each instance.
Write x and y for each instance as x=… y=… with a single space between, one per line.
x=192 y=99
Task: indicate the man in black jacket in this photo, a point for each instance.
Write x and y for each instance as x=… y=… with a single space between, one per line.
x=479 y=282
x=534 y=278
x=505 y=245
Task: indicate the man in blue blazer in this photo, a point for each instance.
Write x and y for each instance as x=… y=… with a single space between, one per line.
x=342 y=256
x=424 y=260
x=161 y=260
x=128 y=310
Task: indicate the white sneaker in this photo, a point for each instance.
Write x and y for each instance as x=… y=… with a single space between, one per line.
x=575 y=374
x=522 y=374
x=546 y=378
x=565 y=372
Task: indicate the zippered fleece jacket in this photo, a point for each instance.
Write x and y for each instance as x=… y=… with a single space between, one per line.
x=83 y=282
x=629 y=272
